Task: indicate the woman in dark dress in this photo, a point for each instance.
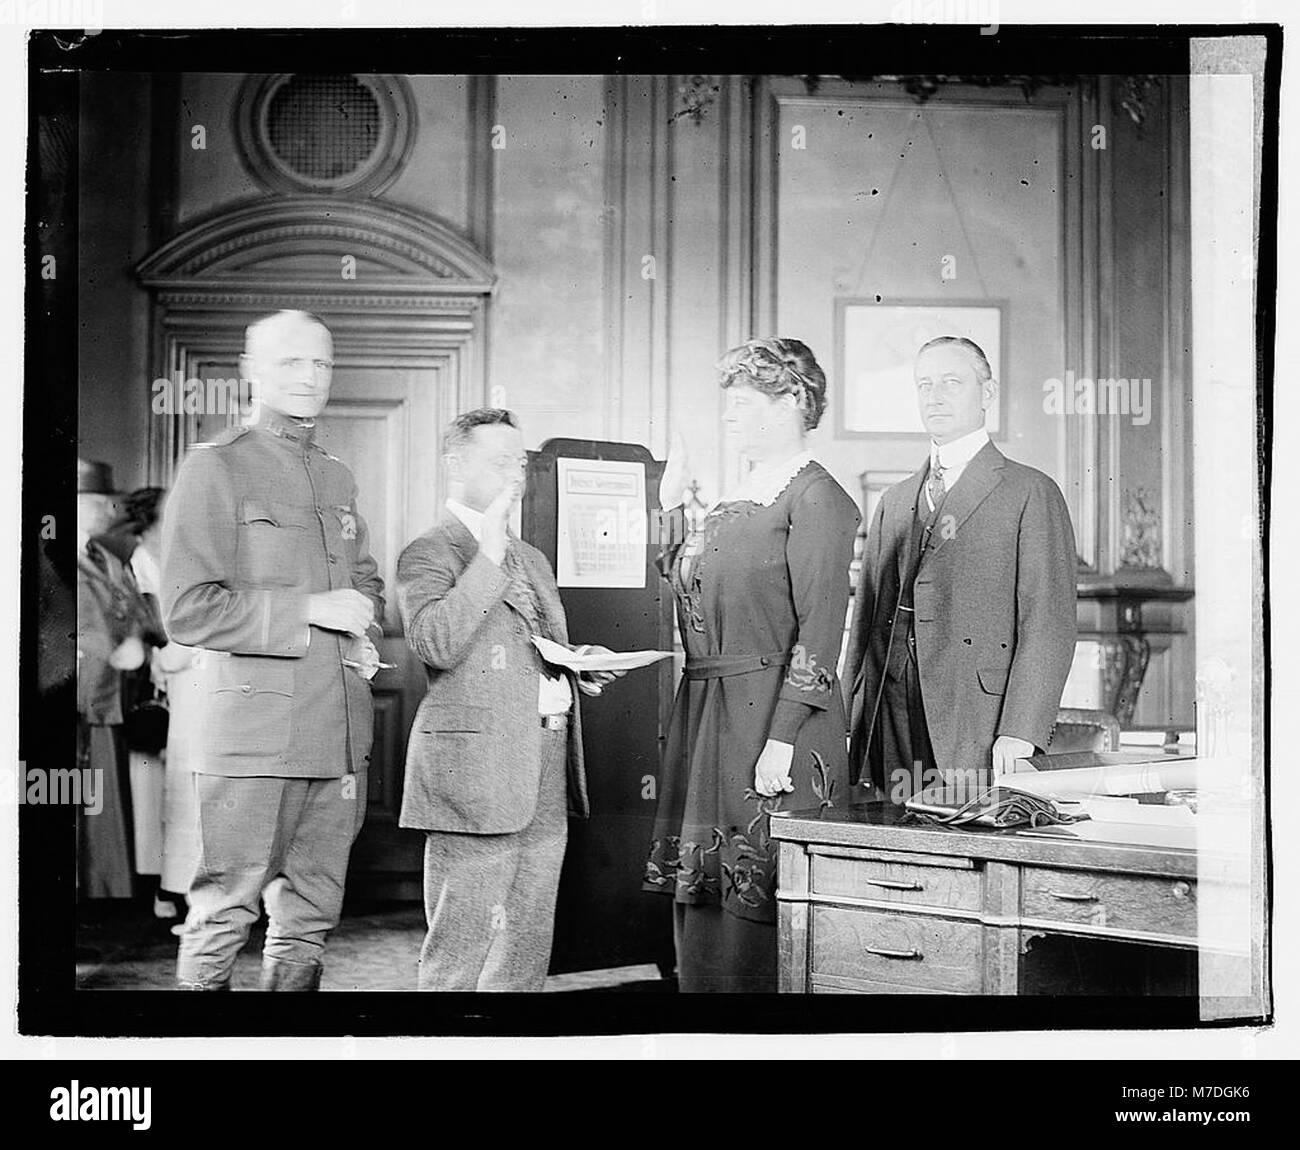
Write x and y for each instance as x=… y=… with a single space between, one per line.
x=758 y=724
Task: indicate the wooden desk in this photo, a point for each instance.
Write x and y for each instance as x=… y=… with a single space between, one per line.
x=870 y=902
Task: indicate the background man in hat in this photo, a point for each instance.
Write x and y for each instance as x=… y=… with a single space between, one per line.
x=265 y=566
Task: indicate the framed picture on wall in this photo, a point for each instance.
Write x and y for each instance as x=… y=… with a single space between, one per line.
x=874 y=485
x=875 y=349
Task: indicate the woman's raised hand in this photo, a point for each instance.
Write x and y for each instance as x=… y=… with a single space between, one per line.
x=677 y=473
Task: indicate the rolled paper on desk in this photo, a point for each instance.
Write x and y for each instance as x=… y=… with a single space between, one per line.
x=1113 y=779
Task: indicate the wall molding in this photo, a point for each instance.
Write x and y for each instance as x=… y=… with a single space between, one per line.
x=480 y=195
x=248 y=243
x=638 y=180
x=420 y=297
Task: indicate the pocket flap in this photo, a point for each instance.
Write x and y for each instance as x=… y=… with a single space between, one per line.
x=276 y=515
x=237 y=676
x=994 y=679
x=252 y=511
x=455 y=717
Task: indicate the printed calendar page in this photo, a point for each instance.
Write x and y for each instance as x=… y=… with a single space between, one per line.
x=602 y=530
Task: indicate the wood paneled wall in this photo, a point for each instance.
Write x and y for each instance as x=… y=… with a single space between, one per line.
x=635 y=227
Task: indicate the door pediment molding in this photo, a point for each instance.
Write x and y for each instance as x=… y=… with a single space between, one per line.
x=299 y=243
x=413 y=298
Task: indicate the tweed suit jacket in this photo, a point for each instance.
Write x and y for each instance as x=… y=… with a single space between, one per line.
x=473 y=762
x=995 y=618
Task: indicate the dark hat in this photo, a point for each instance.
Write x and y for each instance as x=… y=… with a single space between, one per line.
x=95 y=478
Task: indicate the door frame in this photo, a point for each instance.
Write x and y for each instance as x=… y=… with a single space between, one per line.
x=397 y=289
x=416 y=289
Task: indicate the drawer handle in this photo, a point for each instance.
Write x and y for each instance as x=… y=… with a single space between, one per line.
x=893 y=884
x=1066 y=896
x=1182 y=889
x=883 y=953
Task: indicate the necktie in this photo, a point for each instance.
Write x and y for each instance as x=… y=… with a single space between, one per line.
x=934 y=486
x=523 y=589
x=525 y=597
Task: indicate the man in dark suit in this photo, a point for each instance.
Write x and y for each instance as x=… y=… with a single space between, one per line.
x=494 y=763
x=964 y=625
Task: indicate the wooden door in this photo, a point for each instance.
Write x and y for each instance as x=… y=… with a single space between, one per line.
x=409 y=334
x=388 y=406
x=383 y=422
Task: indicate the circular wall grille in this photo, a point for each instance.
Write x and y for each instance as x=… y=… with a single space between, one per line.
x=320 y=133
x=323 y=127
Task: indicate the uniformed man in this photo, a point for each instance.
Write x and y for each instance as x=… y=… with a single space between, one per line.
x=265 y=568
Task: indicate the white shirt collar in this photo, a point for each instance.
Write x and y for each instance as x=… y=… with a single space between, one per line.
x=472 y=519
x=764 y=484
x=959 y=452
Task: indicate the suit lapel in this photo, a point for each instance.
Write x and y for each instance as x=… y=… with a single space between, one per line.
x=982 y=475
x=466 y=546
x=902 y=513
x=461 y=538
x=542 y=581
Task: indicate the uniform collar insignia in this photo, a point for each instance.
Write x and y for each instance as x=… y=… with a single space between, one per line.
x=286 y=427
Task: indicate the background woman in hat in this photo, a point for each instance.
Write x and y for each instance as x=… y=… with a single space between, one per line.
x=115 y=626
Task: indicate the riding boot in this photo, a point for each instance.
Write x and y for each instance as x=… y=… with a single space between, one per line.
x=281 y=974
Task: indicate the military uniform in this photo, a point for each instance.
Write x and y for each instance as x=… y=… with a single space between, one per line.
x=257 y=520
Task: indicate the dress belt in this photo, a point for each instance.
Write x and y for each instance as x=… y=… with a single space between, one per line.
x=718 y=667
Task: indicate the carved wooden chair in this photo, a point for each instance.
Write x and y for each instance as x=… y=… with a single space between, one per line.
x=1080 y=729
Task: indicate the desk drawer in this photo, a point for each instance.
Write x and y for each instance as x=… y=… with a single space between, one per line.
x=1111 y=903
x=901 y=882
x=860 y=986
x=906 y=950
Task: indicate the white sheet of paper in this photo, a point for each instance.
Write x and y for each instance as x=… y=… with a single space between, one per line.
x=1121 y=834
x=602 y=528
x=611 y=661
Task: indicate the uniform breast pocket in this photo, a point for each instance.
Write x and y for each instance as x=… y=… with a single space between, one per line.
x=271 y=542
x=250 y=707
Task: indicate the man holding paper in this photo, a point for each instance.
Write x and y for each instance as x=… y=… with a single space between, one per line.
x=494 y=763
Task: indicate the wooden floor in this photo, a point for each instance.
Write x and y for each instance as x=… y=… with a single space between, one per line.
x=121 y=946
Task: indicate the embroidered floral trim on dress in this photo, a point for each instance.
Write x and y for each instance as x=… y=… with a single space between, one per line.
x=696 y=551
x=738 y=867
x=805 y=674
